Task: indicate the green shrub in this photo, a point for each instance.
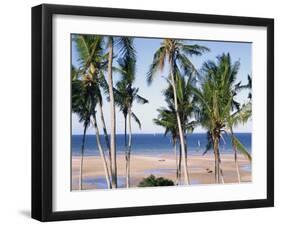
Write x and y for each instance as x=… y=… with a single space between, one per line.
x=152 y=181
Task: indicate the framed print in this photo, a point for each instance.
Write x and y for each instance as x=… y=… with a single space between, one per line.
x=147 y=112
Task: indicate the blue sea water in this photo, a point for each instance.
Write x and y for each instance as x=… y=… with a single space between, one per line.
x=157 y=144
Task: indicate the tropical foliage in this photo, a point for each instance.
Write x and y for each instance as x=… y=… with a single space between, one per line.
x=176 y=53
x=216 y=103
x=153 y=181
x=125 y=96
x=205 y=97
x=167 y=117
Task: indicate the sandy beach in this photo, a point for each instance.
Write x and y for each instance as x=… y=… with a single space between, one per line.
x=201 y=169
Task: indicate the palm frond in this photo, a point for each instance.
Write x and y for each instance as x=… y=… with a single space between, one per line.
x=197 y=50
x=126 y=47
x=186 y=65
x=209 y=144
x=157 y=64
x=136 y=119
x=141 y=99
x=241 y=148
x=200 y=96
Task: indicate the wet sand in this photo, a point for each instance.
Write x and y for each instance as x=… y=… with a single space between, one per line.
x=201 y=169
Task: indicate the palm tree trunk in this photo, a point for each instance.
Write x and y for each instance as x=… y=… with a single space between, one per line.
x=129 y=149
x=216 y=153
x=185 y=155
x=125 y=130
x=237 y=165
x=126 y=148
x=176 y=158
x=180 y=160
x=112 y=115
x=104 y=126
x=101 y=152
x=220 y=167
x=186 y=177
x=235 y=157
x=125 y=138
x=105 y=136
x=82 y=159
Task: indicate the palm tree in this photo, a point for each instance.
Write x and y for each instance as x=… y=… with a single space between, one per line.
x=167 y=117
x=175 y=52
x=240 y=116
x=79 y=106
x=237 y=115
x=91 y=72
x=215 y=98
x=91 y=92
x=185 y=104
x=94 y=62
x=125 y=96
x=125 y=49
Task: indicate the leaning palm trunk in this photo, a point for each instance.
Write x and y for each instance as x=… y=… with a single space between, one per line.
x=237 y=164
x=235 y=156
x=216 y=154
x=129 y=149
x=104 y=126
x=176 y=158
x=82 y=159
x=179 y=164
x=105 y=136
x=186 y=176
x=101 y=153
x=112 y=117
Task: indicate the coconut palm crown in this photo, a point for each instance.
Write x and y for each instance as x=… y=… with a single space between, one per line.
x=175 y=53
x=216 y=102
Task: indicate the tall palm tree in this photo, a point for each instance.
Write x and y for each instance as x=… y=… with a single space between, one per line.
x=91 y=92
x=167 y=117
x=176 y=53
x=215 y=98
x=80 y=107
x=94 y=62
x=92 y=67
x=124 y=47
x=125 y=96
x=185 y=104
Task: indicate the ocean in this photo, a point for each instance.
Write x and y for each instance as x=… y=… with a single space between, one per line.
x=157 y=144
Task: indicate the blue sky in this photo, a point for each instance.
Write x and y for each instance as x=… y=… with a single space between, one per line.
x=145 y=48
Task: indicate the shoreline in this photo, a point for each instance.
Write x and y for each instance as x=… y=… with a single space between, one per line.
x=201 y=169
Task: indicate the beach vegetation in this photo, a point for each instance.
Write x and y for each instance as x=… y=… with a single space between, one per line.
x=153 y=181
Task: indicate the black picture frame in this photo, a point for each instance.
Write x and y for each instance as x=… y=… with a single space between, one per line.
x=42 y=111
